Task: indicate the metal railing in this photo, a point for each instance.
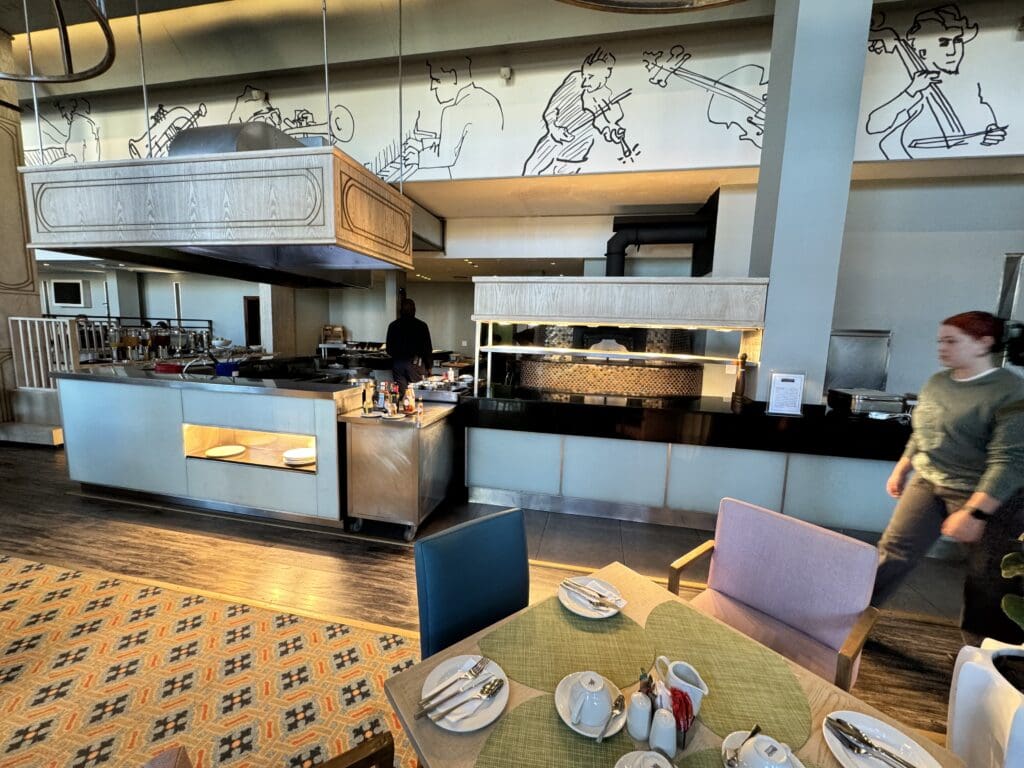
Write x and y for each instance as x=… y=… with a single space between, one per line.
x=98 y=335
x=42 y=346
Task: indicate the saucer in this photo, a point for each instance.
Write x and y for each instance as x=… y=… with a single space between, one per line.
x=489 y=710
x=580 y=606
x=643 y=760
x=564 y=706
x=734 y=739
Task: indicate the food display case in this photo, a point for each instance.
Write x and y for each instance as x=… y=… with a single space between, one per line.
x=278 y=450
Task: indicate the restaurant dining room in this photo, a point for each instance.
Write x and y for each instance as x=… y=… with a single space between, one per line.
x=490 y=384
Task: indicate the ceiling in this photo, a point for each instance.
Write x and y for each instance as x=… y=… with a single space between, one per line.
x=429 y=268
x=12 y=14
x=592 y=194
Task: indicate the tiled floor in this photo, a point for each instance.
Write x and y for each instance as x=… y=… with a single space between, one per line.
x=933 y=589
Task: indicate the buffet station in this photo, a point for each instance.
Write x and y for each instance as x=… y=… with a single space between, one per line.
x=285 y=438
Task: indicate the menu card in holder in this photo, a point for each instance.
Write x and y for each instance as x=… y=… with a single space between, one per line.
x=785 y=395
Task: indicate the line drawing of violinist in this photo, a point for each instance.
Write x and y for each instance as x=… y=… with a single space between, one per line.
x=939 y=109
x=164 y=125
x=738 y=98
x=253 y=105
x=471 y=118
x=78 y=143
x=580 y=110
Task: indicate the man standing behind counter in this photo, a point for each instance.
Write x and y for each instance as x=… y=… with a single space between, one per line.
x=408 y=343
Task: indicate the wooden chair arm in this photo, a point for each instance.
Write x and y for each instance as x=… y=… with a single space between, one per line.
x=378 y=752
x=852 y=647
x=172 y=757
x=676 y=568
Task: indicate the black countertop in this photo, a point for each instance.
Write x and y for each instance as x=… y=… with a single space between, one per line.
x=698 y=421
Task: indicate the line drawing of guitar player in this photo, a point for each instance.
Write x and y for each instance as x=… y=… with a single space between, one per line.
x=939 y=109
x=581 y=109
x=738 y=97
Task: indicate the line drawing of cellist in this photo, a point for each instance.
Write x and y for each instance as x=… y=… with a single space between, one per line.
x=738 y=97
x=580 y=110
x=938 y=109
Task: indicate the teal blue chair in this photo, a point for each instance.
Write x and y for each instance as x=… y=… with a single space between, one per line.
x=470 y=576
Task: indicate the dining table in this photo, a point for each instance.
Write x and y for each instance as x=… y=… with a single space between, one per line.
x=538 y=646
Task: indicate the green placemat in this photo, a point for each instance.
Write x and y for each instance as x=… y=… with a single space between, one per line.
x=533 y=736
x=540 y=647
x=706 y=758
x=747 y=682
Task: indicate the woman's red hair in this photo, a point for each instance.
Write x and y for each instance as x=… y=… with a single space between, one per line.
x=978 y=325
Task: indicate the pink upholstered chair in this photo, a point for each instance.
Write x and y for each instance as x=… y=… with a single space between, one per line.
x=800 y=589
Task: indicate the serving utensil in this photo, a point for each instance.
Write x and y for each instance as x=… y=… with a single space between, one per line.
x=856 y=741
x=488 y=691
x=465 y=674
x=618 y=706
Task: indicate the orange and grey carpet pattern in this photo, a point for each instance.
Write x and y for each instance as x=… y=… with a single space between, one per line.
x=100 y=670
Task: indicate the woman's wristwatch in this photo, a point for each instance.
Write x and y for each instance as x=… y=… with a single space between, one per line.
x=978 y=514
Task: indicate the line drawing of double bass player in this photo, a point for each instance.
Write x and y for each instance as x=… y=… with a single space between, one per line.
x=738 y=97
x=939 y=109
x=580 y=110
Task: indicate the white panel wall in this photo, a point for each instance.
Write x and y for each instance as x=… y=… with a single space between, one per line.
x=446 y=309
x=839 y=493
x=701 y=476
x=361 y=310
x=202 y=297
x=515 y=461
x=916 y=253
x=92 y=290
x=620 y=471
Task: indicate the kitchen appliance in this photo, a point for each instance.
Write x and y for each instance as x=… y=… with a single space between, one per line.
x=440 y=391
x=865 y=401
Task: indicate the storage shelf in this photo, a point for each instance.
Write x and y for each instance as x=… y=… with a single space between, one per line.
x=262 y=449
x=599 y=355
x=253 y=462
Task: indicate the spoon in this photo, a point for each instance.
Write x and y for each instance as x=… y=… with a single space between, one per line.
x=617 y=707
x=733 y=758
x=487 y=691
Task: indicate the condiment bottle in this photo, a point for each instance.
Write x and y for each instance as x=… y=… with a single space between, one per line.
x=419 y=413
x=409 y=401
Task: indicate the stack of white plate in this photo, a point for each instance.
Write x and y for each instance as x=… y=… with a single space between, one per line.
x=298 y=457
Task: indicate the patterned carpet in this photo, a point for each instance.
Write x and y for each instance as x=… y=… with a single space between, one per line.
x=97 y=670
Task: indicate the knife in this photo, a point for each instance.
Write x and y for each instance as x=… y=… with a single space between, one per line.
x=473 y=682
x=850 y=733
x=590 y=595
x=458 y=675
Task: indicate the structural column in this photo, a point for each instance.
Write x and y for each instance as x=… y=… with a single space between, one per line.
x=19 y=287
x=277 y=319
x=817 y=68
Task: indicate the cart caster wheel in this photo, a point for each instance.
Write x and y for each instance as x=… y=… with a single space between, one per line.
x=356 y=525
x=410 y=533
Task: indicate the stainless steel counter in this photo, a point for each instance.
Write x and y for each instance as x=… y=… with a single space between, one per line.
x=121 y=374
x=396 y=472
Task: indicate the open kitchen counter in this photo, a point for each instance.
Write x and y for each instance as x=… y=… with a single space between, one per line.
x=672 y=465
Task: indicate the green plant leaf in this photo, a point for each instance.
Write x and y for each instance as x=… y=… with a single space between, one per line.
x=1012 y=565
x=1013 y=606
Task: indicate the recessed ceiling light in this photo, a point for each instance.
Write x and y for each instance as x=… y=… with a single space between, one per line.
x=121 y=265
x=552 y=263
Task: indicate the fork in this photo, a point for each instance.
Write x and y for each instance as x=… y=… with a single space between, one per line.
x=468 y=674
x=594 y=598
x=488 y=691
x=861 y=750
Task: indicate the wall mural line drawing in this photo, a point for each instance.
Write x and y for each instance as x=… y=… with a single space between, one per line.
x=738 y=98
x=471 y=118
x=580 y=110
x=938 y=109
x=77 y=142
x=252 y=105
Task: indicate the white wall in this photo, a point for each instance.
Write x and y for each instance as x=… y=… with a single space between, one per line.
x=202 y=298
x=92 y=290
x=446 y=309
x=361 y=311
x=914 y=253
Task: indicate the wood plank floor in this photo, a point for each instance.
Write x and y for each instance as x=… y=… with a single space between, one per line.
x=44 y=516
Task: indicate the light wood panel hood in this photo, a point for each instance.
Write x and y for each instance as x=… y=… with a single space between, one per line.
x=305 y=216
x=670 y=302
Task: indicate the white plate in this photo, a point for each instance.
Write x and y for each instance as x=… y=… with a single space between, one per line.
x=224 y=451
x=372 y=415
x=643 y=760
x=299 y=463
x=734 y=739
x=395 y=417
x=580 y=606
x=299 y=454
x=564 y=707
x=883 y=734
x=488 y=711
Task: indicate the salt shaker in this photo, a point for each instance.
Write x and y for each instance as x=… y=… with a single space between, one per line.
x=663 y=732
x=638 y=716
